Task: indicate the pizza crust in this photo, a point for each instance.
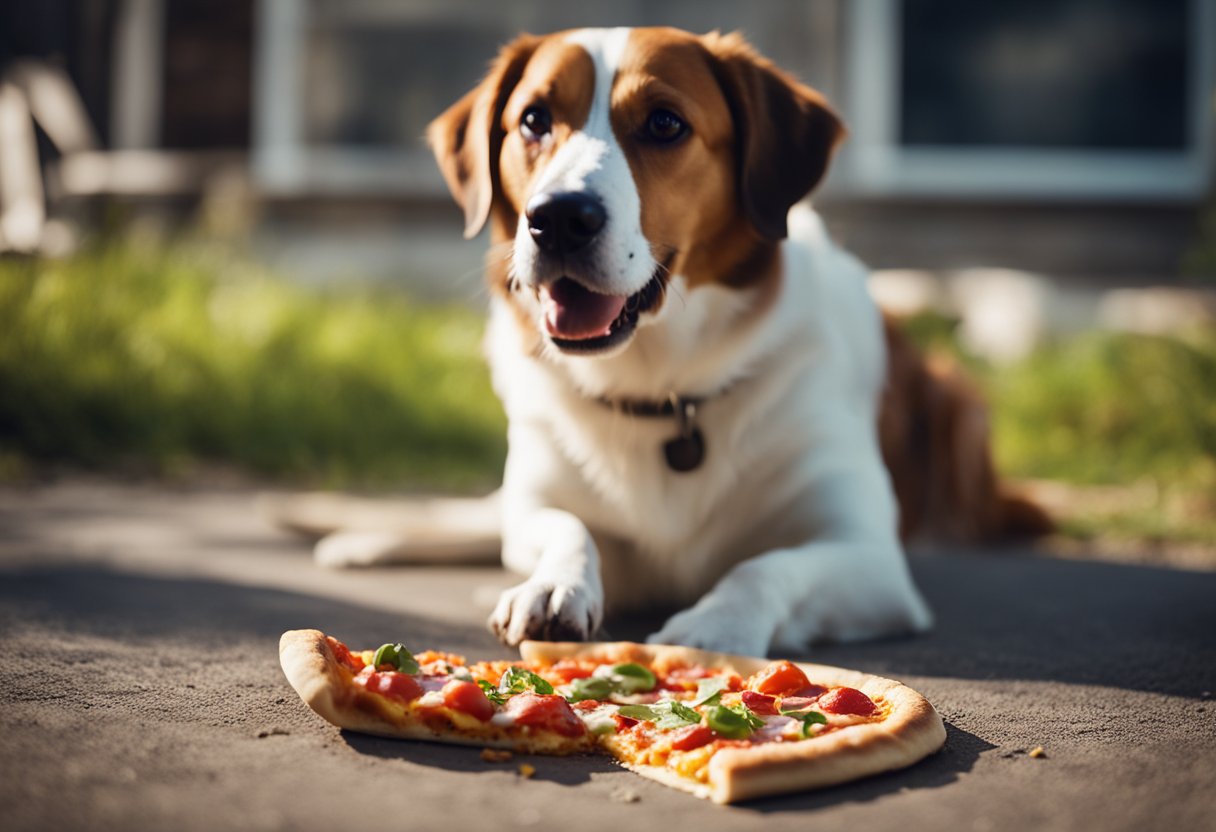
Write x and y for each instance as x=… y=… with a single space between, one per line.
x=316 y=675
x=911 y=731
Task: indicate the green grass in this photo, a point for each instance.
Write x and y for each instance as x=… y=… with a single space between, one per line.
x=161 y=358
x=1128 y=419
x=157 y=357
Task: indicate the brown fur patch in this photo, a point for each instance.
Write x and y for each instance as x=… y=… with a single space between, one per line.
x=933 y=428
x=561 y=77
x=688 y=189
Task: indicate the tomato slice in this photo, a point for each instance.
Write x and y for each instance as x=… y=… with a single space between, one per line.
x=468 y=698
x=781 y=678
x=846 y=701
x=546 y=711
x=343 y=655
x=390 y=683
x=690 y=737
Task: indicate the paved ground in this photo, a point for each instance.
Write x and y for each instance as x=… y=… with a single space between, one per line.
x=140 y=689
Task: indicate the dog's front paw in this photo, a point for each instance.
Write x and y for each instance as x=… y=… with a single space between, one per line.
x=547 y=611
x=722 y=627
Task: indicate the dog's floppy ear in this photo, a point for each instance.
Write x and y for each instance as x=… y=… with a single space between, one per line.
x=785 y=132
x=467 y=138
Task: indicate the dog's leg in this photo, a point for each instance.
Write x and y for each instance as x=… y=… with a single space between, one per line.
x=850 y=580
x=563 y=598
x=375 y=533
x=789 y=598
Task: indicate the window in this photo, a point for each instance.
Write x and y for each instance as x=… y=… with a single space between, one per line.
x=1040 y=98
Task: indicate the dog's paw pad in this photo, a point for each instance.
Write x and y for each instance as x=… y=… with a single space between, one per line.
x=546 y=611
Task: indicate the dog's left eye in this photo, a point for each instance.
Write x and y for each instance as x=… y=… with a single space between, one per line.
x=665 y=126
x=535 y=123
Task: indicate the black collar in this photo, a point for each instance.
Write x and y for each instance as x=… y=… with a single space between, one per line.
x=673 y=405
x=686 y=451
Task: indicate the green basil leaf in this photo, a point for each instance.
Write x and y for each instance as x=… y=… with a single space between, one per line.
x=751 y=717
x=633 y=678
x=676 y=715
x=709 y=690
x=397 y=656
x=665 y=715
x=590 y=688
x=807 y=718
x=491 y=692
x=733 y=723
x=642 y=712
x=519 y=680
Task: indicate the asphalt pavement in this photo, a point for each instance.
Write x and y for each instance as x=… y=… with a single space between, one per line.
x=140 y=689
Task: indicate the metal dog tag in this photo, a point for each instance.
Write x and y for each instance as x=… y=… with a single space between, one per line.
x=687 y=451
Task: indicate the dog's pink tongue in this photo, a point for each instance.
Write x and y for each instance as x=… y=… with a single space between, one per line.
x=575 y=313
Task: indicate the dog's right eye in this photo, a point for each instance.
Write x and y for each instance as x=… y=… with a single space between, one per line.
x=535 y=123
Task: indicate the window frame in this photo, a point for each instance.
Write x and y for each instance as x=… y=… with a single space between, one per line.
x=875 y=163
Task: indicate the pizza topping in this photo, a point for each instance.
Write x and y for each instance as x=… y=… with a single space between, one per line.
x=709 y=690
x=591 y=687
x=665 y=715
x=620 y=681
x=396 y=656
x=624 y=722
x=519 y=680
x=598 y=717
x=567 y=670
x=491 y=692
x=394 y=685
x=629 y=678
x=797 y=703
x=847 y=701
x=807 y=718
x=783 y=678
x=734 y=723
x=760 y=703
x=548 y=712
x=468 y=698
x=692 y=736
x=344 y=656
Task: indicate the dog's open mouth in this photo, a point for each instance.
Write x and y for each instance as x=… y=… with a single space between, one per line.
x=582 y=321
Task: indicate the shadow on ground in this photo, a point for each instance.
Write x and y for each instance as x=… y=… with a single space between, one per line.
x=1026 y=618
x=959 y=756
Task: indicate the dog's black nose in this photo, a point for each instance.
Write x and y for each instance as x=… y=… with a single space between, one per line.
x=562 y=223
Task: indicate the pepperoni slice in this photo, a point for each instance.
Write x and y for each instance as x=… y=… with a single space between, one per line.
x=546 y=711
x=394 y=685
x=760 y=703
x=690 y=737
x=846 y=701
x=468 y=698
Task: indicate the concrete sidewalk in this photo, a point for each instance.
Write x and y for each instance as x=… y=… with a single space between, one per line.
x=140 y=689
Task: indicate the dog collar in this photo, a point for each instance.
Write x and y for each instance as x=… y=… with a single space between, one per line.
x=686 y=451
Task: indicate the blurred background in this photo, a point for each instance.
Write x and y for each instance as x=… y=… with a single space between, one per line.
x=226 y=254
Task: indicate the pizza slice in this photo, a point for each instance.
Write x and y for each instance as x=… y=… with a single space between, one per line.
x=723 y=727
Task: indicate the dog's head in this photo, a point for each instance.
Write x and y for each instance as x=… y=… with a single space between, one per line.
x=612 y=159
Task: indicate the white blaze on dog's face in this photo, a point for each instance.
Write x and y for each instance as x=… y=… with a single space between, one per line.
x=612 y=159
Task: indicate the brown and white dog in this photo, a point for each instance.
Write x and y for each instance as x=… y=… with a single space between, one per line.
x=692 y=372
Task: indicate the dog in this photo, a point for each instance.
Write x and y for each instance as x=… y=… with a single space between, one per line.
x=706 y=409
